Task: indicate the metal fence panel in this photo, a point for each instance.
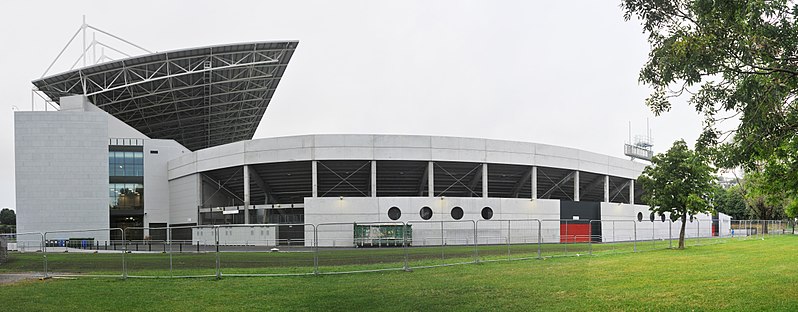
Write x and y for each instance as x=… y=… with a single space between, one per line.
x=616 y=236
x=332 y=248
x=508 y=239
x=266 y=249
x=439 y=243
x=90 y=252
x=559 y=238
x=23 y=253
x=362 y=246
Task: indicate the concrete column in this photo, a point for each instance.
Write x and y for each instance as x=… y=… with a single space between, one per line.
x=632 y=192
x=606 y=189
x=576 y=185
x=246 y=194
x=373 y=178
x=534 y=182
x=484 y=180
x=431 y=179
x=314 y=173
x=200 y=200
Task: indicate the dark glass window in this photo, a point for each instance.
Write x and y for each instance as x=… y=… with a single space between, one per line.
x=394 y=213
x=425 y=213
x=652 y=217
x=457 y=213
x=125 y=164
x=662 y=216
x=126 y=196
x=487 y=213
x=639 y=217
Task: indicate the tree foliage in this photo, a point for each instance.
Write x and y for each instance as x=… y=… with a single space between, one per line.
x=765 y=200
x=731 y=201
x=678 y=182
x=8 y=217
x=733 y=59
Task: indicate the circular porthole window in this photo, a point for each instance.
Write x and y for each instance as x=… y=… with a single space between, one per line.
x=651 y=217
x=691 y=219
x=394 y=213
x=662 y=216
x=425 y=213
x=457 y=213
x=639 y=217
x=487 y=213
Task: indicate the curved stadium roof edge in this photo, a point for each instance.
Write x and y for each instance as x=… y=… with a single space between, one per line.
x=200 y=97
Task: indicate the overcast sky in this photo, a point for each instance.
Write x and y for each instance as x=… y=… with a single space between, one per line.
x=555 y=72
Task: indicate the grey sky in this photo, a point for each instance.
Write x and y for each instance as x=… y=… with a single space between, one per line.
x=556 y=72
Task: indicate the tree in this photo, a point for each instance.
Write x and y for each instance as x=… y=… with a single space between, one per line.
x=765 y=200
x=678 y=182
x=731 y=201
x=737 y=60
x=8 y=217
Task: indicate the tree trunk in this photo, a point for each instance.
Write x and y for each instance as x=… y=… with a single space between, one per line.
x=681 y=232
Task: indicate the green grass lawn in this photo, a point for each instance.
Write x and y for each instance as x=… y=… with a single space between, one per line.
x=737 y=275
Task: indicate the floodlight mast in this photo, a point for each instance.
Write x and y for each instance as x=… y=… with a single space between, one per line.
x=84 y=55
x=641 y=147
x=92 y=45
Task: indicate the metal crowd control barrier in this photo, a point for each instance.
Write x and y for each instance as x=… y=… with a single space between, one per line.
x=183 y=251
x=347 y=247
x=492 y=236
x=258 y=250
x=336 y=248
x=441 y=243
x=556 y=239
x=620 y=233
x=20 y=244
x=85 y=252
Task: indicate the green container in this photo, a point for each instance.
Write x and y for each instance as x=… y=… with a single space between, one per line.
x=382 y=235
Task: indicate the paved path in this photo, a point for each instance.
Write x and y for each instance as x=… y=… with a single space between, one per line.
x=16 y=277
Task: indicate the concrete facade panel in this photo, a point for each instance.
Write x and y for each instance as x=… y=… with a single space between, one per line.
x=184 y=199
x=62 y=172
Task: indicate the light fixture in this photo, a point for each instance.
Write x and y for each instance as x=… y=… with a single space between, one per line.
x=442 y=197
x=340 y=197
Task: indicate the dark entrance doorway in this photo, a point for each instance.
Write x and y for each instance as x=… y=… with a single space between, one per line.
x=290 y=231
x=575 y=225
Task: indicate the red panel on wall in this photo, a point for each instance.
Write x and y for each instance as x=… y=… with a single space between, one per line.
x=575 y=233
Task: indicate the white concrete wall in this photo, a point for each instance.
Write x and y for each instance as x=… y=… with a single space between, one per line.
x=184 y=199
x=375 y=210
x=156 y=184
x=617 y=227
x=116 y=128
x=399 y=147
x=724 y=224
x=62 y=172
x=237 y=235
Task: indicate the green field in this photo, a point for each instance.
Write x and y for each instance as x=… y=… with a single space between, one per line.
x=736 y=275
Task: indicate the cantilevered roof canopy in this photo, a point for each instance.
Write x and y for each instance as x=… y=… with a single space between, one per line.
x=200 y=97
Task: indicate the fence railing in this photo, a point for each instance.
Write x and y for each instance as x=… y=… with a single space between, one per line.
x=337 y=248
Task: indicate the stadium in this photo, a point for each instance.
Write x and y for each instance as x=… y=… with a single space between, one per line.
x=165 y=140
